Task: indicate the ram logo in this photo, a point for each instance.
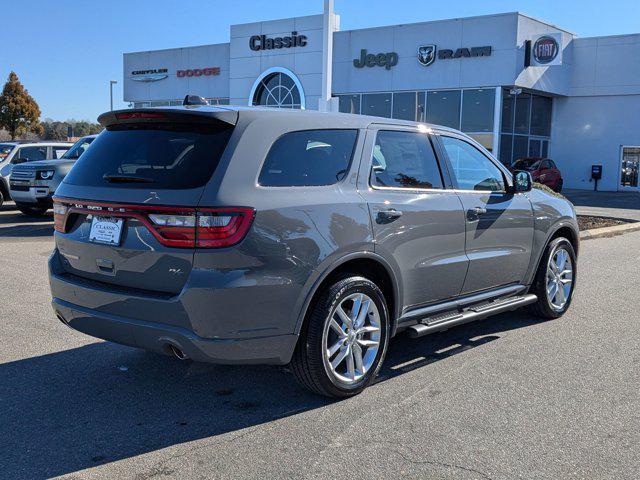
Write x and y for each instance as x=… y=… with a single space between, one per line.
x=426 y=54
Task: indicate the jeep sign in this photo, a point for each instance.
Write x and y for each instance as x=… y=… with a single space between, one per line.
x=386 y=60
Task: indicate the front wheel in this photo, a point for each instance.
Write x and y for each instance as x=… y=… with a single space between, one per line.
x=31 y=211
x=344 y=340
x=555 y=279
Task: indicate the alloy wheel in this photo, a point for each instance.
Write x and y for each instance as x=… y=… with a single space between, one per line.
x=559 y=278
x=351 y=338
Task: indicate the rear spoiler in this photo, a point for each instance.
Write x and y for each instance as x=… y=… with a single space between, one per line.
x=170 y=115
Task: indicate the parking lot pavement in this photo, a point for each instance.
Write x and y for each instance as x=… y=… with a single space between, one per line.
x=509 y=397
x=606 y=204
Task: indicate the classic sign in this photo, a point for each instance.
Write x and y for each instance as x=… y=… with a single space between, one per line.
x=386 y=60
x=262 y=42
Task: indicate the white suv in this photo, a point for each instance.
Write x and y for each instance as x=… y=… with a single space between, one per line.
x=12 y=153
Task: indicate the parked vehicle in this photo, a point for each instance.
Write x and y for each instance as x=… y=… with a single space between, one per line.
x=240 y=235
x=13 y=153
x=543 y=170
x=33 y=183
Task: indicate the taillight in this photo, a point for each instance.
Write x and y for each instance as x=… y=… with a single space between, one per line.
x=223 y=227
x=172 y=226
x=59 y=216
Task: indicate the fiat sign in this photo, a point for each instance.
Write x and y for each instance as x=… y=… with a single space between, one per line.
x=547 y=50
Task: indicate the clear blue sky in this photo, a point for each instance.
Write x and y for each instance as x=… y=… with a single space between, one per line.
x=66 y=51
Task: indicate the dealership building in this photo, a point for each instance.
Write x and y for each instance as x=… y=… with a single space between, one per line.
x=518 y=85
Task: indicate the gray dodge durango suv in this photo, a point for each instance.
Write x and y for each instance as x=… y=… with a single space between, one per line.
x=240 y=235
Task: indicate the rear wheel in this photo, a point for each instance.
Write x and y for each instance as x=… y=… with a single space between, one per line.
x=31 y=211
x=1 y=197
x=344 y=341
x=555 y=279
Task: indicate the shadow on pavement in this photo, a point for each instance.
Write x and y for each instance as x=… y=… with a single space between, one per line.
x=14 y=224
x=100 y=403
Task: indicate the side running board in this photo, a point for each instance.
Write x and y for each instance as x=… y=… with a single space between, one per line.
x=447 y=320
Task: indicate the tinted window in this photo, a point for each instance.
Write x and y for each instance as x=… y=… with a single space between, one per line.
x=520 y=147
x=443 y=108
x=405 y=160
x=376 y=104
x=505 y=148
x=307 y=158
x=477 y=110
x=5 y=150
x=161 y=156
x=78 y=148
x=541 y=116
x=508 y=107
x=33 y=154
x=523 y=105
x=472 y=169
x=408 y=106
x=349 y=103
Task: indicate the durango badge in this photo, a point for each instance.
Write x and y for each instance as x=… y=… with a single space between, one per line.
x=426 y=54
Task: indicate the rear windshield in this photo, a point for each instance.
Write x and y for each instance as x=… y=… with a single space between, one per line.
x=175 y=156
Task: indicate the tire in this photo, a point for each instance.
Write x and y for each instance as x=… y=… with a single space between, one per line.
x=1 y=197
x=311 y=362
x=30 y=211
x=547 y=307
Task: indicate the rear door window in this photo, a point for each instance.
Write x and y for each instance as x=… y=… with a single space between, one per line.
x=308 y=158
x=404 y=160
x=32 y=154
x=162 y=156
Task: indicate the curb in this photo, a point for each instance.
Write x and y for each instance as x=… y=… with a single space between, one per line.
x=609 y=231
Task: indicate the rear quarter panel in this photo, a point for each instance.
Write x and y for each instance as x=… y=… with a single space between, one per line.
x=298 y=233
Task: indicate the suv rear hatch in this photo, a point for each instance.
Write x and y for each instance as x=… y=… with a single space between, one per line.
x=128 y=215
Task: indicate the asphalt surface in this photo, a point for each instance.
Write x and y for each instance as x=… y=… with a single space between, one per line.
x=508 y=397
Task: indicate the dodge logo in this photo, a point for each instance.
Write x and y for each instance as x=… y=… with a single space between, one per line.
x=426 y=54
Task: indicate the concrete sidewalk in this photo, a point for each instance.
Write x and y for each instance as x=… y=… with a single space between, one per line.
x=606 y=204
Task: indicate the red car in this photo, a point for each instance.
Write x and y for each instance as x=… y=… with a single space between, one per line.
x=543 y=170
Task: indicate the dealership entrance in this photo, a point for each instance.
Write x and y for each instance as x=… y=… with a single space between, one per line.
x=630 y=168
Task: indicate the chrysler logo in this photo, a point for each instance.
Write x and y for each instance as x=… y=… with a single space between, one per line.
x=426 y=54
x=545 y=50
x=149 y=75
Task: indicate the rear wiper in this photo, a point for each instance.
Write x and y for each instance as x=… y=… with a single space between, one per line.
x=127 y=179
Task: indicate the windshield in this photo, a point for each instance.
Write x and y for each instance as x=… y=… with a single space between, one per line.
x=78 y=148
x=174 y=156
x=5 y=150
x=529 y=164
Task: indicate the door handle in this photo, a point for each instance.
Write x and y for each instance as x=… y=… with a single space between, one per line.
x=389 y=215
x=475 y=212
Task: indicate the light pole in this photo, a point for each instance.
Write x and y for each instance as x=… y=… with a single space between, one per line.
x=111 y=84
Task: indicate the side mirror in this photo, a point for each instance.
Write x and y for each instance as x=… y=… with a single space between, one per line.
x=16 y=161
x=522 y=181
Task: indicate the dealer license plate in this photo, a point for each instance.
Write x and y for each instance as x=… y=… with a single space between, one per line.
x=106 y=230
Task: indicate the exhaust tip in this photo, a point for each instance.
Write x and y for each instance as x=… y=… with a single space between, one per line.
x=176 y=352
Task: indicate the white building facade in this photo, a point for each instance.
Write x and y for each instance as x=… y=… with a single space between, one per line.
x=518 y=85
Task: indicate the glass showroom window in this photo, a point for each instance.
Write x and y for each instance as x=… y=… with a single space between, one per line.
x=349 y=103
x=525 y=127
x=443 y=108
x=376 y=104
x=409 y=106
x=278 y=90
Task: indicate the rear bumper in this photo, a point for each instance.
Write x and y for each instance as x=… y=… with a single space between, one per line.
x=155 y=337
x=154 y=322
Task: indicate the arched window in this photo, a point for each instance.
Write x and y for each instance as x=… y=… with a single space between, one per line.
x=279 y=88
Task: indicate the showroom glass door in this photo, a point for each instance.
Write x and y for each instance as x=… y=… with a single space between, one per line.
x=630 y=168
